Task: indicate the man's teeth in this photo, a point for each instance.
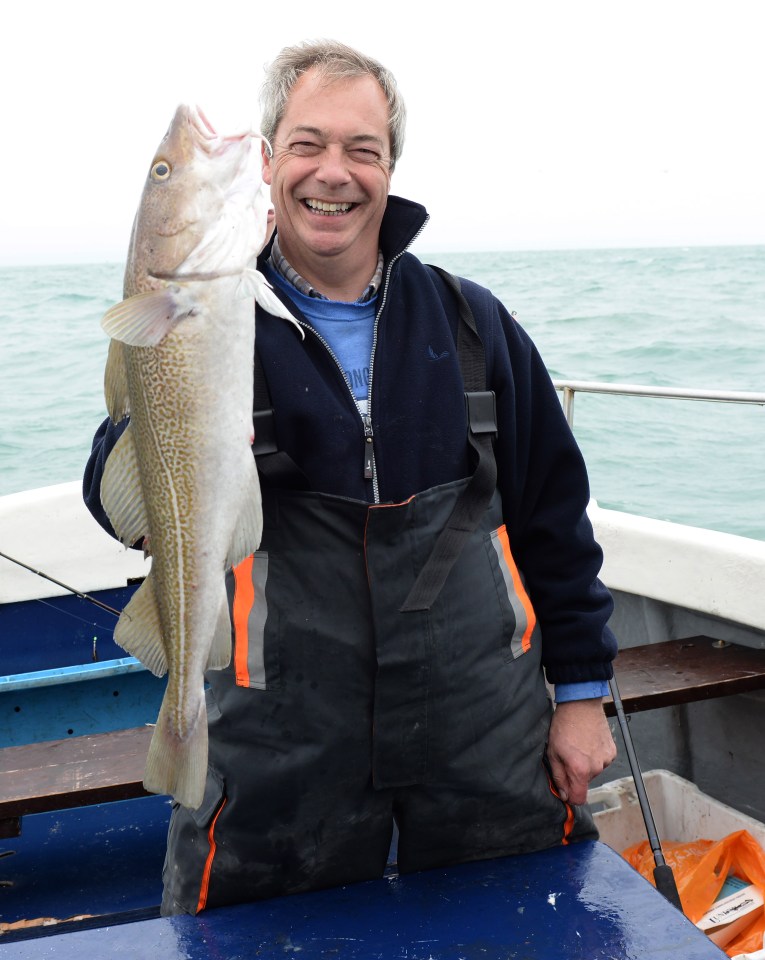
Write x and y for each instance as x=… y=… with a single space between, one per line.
x=319 y=206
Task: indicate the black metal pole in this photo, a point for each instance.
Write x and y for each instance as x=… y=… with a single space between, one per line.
x=662 y=874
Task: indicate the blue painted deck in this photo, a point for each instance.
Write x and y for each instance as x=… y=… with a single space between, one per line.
x=571 y=903
x=100 y=859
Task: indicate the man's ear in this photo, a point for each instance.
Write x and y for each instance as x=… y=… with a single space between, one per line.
x=265 y=152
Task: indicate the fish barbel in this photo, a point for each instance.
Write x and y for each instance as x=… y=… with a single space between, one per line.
x=182 y=475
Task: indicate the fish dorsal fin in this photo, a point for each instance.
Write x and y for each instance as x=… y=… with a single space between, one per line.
x=116 y=383
x=122 y=493
x=145 y=319
x=139 y=630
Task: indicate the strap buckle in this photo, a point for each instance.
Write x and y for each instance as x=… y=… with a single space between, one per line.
x=265 y=432
x=482 y=412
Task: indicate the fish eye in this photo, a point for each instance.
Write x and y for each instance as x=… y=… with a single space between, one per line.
x=161 y=170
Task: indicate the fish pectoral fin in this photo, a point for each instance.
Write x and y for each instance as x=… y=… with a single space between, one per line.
x=122 y=492
x=257 y=286
x=249 y=527
x=116 y=383
x=177 y=763
x=139 y=630
x=146 y=319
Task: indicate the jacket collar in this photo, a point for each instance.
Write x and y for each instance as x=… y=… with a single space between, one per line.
x=402 y=221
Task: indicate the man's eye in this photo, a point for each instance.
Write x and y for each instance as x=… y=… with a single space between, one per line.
x=305 y=148
x=365 y=154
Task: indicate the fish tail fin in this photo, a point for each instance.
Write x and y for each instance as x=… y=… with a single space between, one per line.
x=139 y=630
x=178 y=765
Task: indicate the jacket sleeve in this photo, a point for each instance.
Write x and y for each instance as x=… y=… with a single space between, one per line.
x=545 y=493
x=106 y=437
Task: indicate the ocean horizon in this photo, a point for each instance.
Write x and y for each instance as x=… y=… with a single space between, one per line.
x=685 y=317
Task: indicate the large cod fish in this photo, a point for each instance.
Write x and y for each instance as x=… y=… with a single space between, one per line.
x=182 y=476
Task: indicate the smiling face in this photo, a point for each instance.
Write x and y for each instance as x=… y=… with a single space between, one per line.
x=330 y=177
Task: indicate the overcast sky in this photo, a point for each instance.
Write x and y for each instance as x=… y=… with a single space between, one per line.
x=566 y=123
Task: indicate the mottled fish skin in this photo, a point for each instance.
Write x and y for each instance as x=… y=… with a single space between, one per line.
x=183 y=475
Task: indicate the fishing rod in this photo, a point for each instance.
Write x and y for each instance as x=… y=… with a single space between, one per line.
x=77 y=593
x=663 y=876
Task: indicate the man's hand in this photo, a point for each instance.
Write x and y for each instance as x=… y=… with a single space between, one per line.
x=579 y=747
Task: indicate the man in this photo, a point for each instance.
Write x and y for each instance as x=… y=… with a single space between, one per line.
x=384 y=671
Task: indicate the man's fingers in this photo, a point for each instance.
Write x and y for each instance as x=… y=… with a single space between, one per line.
x=559 y=777
x=577 y=793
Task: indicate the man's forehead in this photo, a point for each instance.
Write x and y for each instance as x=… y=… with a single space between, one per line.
x=312 y=91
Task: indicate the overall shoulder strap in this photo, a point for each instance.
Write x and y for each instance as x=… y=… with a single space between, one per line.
x=474 y=499
x=469 y=346
x=276 y=468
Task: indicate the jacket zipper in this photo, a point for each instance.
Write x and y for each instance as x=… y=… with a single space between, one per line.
x=369 y=467
x=370 y=470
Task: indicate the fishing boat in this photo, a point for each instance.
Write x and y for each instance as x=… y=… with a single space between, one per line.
x=82 y=845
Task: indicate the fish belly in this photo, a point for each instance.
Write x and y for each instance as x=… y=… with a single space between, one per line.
x=191 y=425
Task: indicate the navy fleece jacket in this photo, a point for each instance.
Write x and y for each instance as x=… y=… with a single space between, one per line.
x=419 y=429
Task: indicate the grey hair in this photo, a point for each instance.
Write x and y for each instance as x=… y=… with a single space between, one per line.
x=334 y=61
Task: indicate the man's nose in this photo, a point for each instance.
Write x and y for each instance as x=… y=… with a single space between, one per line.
x=333 y=166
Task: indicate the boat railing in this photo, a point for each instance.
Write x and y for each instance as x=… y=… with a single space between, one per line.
x=569 y=389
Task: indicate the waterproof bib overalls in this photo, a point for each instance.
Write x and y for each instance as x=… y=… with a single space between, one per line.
x=341 y=711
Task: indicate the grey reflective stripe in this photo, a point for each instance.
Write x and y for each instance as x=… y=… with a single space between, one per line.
x=501 y=544
x=249 y=612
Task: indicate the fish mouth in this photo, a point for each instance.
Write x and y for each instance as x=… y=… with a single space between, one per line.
x=201 y=122
x=208 y=137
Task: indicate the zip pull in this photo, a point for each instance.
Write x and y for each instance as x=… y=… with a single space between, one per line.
x=369 y=453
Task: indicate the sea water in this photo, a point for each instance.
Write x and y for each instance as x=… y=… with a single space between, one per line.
x=677 y=317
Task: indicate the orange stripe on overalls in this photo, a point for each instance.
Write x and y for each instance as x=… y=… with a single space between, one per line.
x=244 y=598
x=520 y=590
x=568 y=826
x=205 y=888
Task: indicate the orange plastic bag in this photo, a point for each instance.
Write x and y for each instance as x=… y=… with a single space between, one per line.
x=701 y=867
